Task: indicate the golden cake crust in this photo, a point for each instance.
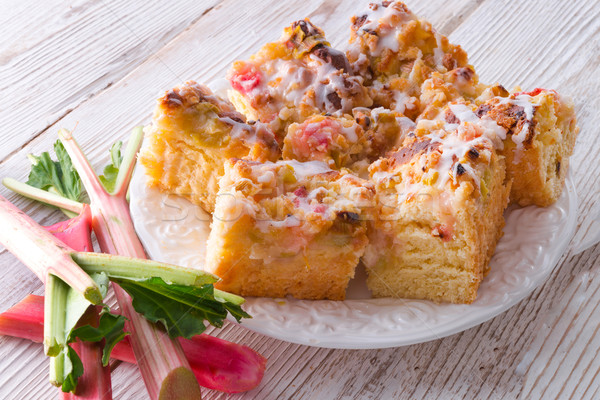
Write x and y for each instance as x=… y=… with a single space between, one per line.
x=541 y=132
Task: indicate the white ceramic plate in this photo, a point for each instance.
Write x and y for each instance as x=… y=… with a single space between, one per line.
x=174 y=230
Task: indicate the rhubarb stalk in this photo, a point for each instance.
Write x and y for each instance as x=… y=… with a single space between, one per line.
x=42 y=252
x=95 y=383
x=216 y=363
x=70 y=207
x=166 y=371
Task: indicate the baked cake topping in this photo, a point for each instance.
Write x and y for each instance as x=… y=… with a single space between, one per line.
x=392 y=39
x=301 y=70
x=192 y=133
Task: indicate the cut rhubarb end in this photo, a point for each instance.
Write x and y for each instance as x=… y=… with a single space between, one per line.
x=93 y=295
x=222 y=365
x=75 y=232
x=25 y=319
x=180 y=384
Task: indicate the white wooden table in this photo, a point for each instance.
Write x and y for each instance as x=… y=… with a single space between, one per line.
x=100 y=65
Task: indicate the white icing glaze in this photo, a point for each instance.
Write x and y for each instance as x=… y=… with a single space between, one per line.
x=302 y=170
x=522 y=100
x=350 y=133
x=463 y=112
x=489 y=127
x=453 y=150
x=401 y=101
x=379 y=18
x=289 y=221
x=438 y=52
x=405 y=123
x=291 y=82
x=239 y=129
x=328 y=80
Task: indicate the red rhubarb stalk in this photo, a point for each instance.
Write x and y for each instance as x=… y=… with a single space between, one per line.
x=95 y=383
x=43 y=253
x=216 y=363
x=166 y=371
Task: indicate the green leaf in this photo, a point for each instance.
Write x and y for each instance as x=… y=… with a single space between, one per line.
x=182 y=310
x=72 y=370
x=57 y=176
x=110 y=327
x=71 y=183
x=66 y=369
x=115 y=154
x=236 y=311
x=111 y=171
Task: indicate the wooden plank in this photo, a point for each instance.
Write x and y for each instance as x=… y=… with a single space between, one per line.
x=563 y=358
x=56 y=55
x=497 y=38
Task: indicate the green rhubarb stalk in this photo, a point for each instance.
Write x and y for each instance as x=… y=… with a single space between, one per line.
x=56 y=293
x=81 y=373
x=151 y=278
x=71 y=208
x=119 y=267
x=67 y=299
x=166 y=371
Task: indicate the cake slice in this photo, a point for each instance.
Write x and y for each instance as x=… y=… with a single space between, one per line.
x=192 y=133
x=348 y=141
x=440 y=202
x=401 y=56
x=295 y=77
x=541 y=131
x=536 y=133
x=288 y=228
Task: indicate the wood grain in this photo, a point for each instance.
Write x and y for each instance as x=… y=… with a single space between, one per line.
x=58 y=72
x=56 y=55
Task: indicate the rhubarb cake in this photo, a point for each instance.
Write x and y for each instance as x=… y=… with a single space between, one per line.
x=392 y=151
x=440 y=203
x=288 y=228
x=192 y=133
x=541 y=129
x=295 y=77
